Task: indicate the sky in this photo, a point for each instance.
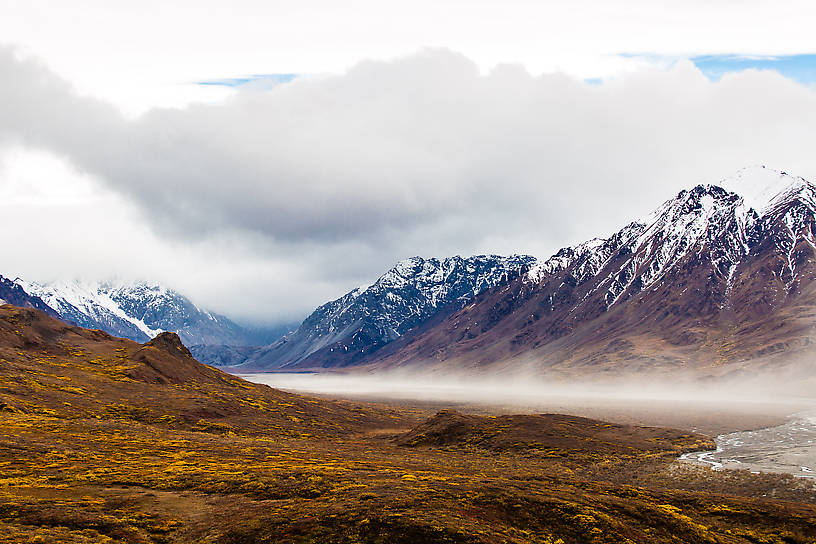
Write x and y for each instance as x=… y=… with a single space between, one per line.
x=265 y=157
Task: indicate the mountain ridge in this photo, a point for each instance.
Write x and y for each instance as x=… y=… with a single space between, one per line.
x=12 y=293
x=367 y=318
x=139 y=310
x=702 y=281
x=703 y=267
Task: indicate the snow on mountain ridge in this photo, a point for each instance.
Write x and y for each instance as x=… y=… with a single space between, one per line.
x=431 y=277
x=760 y=186
x=139 y=310
x=93 y=300
x=404 y=297
x=564 y=258
x=673 y=229
x=710 y=215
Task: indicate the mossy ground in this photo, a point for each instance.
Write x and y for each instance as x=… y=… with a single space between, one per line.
x=105 y=440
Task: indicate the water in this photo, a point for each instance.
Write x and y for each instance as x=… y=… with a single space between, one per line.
x=790 y=448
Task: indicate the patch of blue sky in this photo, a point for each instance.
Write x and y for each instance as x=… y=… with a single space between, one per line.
x=801 y=68
x=254 y=78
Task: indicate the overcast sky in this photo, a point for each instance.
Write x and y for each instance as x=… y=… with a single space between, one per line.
x=264 y=157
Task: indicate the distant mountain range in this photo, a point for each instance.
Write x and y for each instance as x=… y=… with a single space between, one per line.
x=356 y=325
x=12 y=293
x=718 y=276
x=135 y=310
x=338 y=333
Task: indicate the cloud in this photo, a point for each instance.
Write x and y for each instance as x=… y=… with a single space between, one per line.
x=336 y=177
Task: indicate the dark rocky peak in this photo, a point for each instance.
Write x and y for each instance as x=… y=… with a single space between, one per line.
x=171 y=343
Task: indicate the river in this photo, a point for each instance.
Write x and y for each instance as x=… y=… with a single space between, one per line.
x=790 y=447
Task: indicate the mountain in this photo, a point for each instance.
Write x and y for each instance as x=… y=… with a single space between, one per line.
x=12 y=293
x=718 y=274
x=359 y=323
x=139 y=311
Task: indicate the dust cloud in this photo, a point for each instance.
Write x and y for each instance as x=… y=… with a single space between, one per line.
x=713 y=404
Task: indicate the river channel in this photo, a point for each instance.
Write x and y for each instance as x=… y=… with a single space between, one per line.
x=790 y=447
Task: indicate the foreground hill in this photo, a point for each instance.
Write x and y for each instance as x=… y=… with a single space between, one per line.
x=108 y=440
x=56 y=369
x=716 y=277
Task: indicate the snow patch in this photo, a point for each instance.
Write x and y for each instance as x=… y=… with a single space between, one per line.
x=761 y=187
x=88 y=298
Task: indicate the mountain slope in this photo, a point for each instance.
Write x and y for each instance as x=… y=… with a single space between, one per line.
x=706 y=279
x=344 y=330
x=12 y=293
x=140 y=311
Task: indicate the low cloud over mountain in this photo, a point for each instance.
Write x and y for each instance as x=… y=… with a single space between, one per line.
x=336 y=177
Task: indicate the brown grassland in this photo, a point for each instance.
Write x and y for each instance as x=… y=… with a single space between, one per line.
x=108 y=440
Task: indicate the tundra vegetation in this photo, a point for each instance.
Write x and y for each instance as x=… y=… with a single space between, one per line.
x=106 y=440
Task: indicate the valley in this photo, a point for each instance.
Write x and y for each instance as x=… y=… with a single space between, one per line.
x=407 y=272
x=579 y=399
x=710 y=411
x=108 y=440
x=752 y=432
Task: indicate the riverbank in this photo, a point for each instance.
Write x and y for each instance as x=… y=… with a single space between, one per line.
x=788 y=448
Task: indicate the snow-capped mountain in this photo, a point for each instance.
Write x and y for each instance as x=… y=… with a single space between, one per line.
x=90 y=305
x=360 y=322
x=139 y=311
x=721 y=272
x=709 y=225
x=11 y=293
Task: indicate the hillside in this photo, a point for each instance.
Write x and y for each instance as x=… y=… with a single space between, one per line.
x=56 y=369
x=108 y=440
